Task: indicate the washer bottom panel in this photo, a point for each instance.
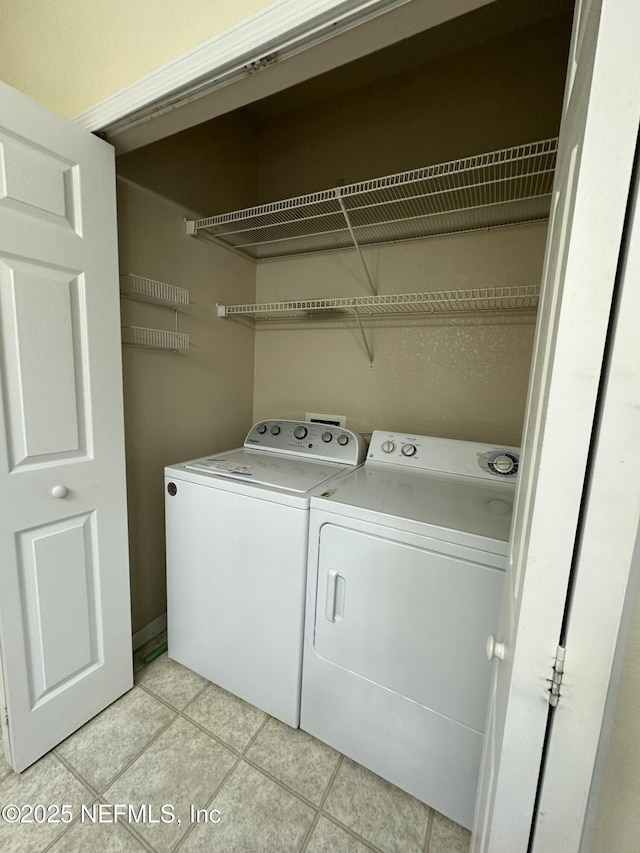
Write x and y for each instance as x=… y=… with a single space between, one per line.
x=235 y=593
x=425 y=754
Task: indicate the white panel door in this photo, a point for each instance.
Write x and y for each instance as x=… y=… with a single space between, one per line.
x=595 y=161
x=65 y=632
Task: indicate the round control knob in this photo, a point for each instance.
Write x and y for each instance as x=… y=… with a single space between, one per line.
x=504 y=464
x=261 y=428
x=494 y=649
x=326 y=437
x=343 y=440
x=59 y=491
x=300 y=432
x=275 y=430
x=388 y=447
x=409 y=450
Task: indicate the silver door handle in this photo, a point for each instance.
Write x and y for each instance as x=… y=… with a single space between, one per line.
x=330 y=604
x=59 y=491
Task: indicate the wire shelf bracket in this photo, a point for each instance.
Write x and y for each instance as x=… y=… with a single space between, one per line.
x=357 y=247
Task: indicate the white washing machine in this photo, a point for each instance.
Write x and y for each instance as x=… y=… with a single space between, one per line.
x=237 y=527
x=404 y=583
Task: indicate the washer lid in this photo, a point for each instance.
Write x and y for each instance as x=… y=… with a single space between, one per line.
x=454 y=502
x=290 y=473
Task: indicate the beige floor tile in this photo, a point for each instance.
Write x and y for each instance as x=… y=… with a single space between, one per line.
x=171 y=681
x=47 y=782
x=182 y=767
x=376 y=810
x=329 y=838
x=447 y=836
x=107 y=838
x=256 y=816
x=227 y=717
x=295 y=758
x=106 y=744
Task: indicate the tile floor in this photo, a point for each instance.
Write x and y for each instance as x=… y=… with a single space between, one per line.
x=177 y=740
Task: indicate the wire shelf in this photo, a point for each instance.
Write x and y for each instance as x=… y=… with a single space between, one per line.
x=514 y=298
x=139 y=336
x=156 y=292
x=499 y=188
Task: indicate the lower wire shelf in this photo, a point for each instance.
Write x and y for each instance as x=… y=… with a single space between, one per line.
x=512 y=298
x=139 y=336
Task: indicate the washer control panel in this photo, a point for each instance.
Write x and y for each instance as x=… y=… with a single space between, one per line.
x=312 y=440
x=449 y=456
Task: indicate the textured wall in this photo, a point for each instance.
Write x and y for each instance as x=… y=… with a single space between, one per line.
x=461 y=378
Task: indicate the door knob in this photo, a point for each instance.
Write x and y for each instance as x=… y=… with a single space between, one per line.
x=59 y=491
x=494 y=649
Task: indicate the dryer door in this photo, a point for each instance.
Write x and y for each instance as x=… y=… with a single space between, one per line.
x=411 y=615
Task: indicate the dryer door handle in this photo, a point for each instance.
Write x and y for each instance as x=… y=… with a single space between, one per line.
x=332 y=589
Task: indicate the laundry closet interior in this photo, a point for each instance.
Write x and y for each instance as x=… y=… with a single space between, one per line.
x=489 y=81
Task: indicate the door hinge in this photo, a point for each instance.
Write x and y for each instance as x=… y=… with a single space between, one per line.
x=555 y=682
x=6 y=716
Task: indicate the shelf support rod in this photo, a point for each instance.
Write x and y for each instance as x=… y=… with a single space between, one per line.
x=364 y=337
x=355 y=241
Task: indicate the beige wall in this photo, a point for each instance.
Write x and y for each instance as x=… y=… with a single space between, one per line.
x=71 y=54
x=504 y=92
x=210 y=168
x=461 y=378
x=176 y=406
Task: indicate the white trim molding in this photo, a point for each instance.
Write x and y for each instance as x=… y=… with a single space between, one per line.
x=275 y=27
x=149 y=632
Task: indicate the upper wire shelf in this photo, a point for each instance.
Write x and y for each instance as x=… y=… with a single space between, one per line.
x=155 y=292
x=512 y=298
x=499 y=188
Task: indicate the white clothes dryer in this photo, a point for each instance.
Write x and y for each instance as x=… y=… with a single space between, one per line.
x=404 y=583
x=236 y=531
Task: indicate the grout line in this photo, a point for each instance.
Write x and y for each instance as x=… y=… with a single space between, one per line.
x=166 y=702
x=209 y=802
x=257 y=733
x=427 y=835
x=60 y=835
x=124 y=769
x=94 y=791
x=346 y=829
x=323 y=799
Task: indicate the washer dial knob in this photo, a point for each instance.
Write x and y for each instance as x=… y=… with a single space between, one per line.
x=326 y=437
x=409 y=450
x=343 y=440
x=388 y=446
x=275 y=430
x=504 y=464
x=261 y=428
x=300 y=432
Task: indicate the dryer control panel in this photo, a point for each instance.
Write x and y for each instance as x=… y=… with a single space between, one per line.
x=446 y=455
x=311 y=440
